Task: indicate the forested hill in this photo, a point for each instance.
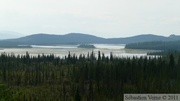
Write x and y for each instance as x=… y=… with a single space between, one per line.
x=50 y=39
x=155 y=45
x=79 y=38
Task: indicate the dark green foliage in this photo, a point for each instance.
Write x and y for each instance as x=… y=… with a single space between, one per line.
x=86 y=78
x=5 y=93
x=165 y=53
x=155 y=45
x=77 y=96
x=171 y=61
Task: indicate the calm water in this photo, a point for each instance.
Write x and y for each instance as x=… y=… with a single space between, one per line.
x=63 y=50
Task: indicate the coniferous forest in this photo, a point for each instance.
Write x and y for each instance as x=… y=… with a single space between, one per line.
x=155 y=45
x=85 y=78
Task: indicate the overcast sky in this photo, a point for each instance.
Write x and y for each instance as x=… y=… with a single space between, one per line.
x=106 y=18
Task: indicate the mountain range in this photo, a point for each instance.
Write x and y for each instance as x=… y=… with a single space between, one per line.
x=79 y=38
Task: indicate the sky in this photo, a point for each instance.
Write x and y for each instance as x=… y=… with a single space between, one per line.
x=105 y=18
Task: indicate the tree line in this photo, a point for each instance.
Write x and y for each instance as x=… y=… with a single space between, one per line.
x=85 y=78
x=155 y=45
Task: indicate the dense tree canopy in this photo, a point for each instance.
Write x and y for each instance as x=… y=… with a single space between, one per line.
x=85 y=78
x=155 y=45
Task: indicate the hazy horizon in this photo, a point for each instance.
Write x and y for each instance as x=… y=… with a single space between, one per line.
x=14 y=35
x=103 y=18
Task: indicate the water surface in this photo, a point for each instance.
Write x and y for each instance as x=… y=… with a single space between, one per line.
x=63 y=50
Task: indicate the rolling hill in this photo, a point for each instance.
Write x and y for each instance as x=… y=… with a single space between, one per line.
x=49 y=39
x=79 y=38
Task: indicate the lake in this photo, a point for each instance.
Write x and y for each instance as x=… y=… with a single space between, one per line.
x=63 y=50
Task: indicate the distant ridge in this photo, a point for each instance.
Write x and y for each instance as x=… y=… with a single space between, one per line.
x=71 y=38
x=80 y=38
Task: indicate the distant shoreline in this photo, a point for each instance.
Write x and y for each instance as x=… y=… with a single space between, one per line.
x=86 y=46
